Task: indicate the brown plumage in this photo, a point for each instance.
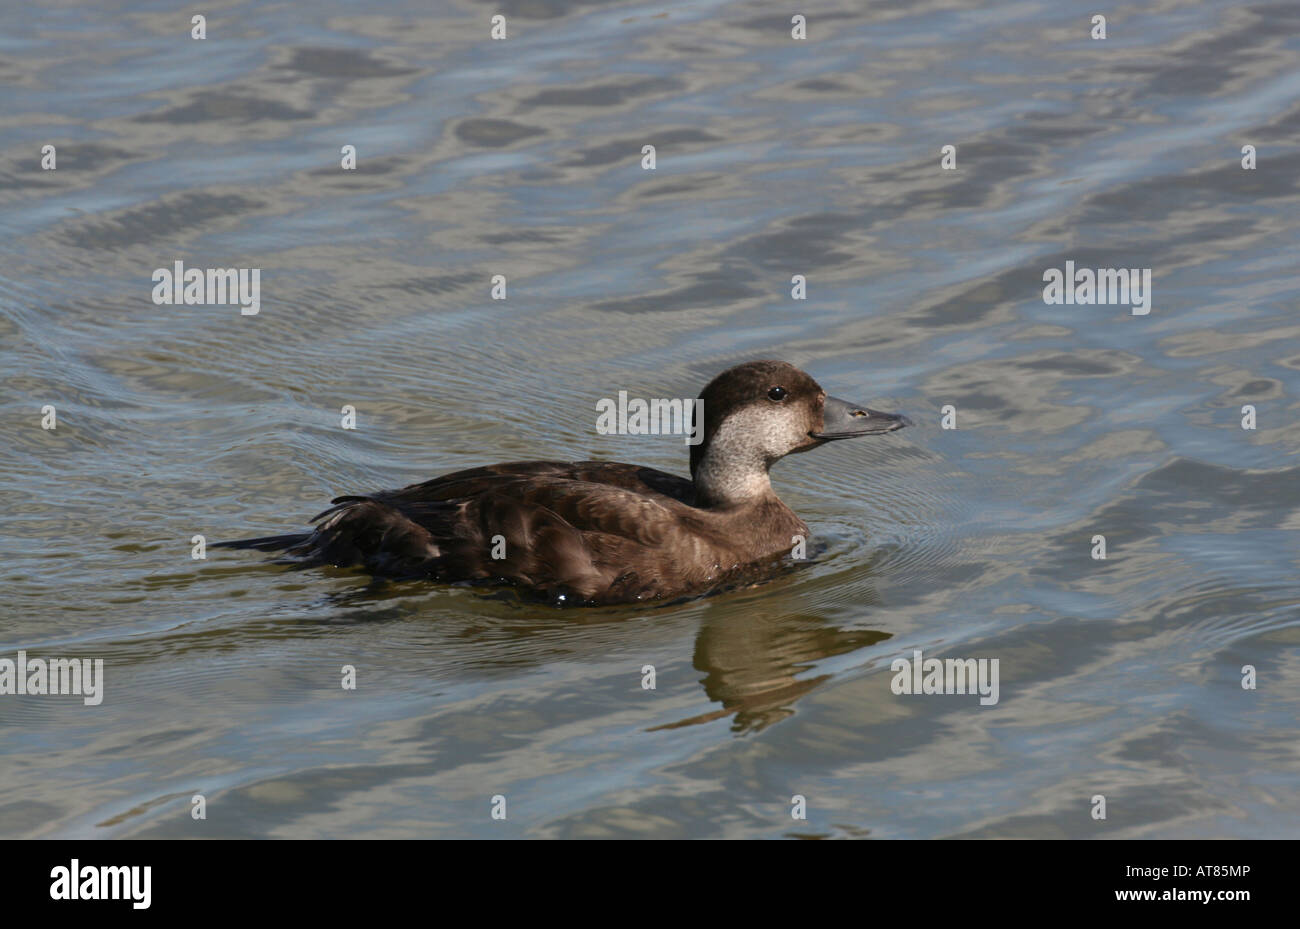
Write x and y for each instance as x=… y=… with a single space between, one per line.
x=596 y=532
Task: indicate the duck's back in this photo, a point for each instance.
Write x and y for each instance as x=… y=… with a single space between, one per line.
x=591 y=531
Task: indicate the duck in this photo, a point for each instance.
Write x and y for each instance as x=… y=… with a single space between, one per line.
x=595 y=533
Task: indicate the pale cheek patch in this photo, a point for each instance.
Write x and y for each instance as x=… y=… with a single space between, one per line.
x=757 y=432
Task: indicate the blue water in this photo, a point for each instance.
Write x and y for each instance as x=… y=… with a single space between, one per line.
x=774 y=158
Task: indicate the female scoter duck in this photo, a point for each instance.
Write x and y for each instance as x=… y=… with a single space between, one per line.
x=599 y=532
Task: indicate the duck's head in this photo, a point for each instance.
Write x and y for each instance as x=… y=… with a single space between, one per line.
x=759 y=412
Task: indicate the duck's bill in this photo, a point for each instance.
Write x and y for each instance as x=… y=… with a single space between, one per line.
x=844 y=420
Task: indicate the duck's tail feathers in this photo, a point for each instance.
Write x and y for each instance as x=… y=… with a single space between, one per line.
x=267 y=543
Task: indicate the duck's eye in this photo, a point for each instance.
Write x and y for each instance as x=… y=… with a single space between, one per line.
x=776 y=394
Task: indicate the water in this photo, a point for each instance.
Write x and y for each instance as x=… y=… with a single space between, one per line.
x=774 y=158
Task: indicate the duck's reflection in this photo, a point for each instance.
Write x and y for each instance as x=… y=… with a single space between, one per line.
x=751 y=650
x=751 y=663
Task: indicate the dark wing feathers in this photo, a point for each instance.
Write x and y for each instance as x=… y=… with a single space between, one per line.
x=561 y=527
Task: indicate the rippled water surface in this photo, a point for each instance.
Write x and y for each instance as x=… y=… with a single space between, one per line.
x=775 y=158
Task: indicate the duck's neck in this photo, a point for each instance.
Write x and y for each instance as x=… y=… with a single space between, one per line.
x=730 y=477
